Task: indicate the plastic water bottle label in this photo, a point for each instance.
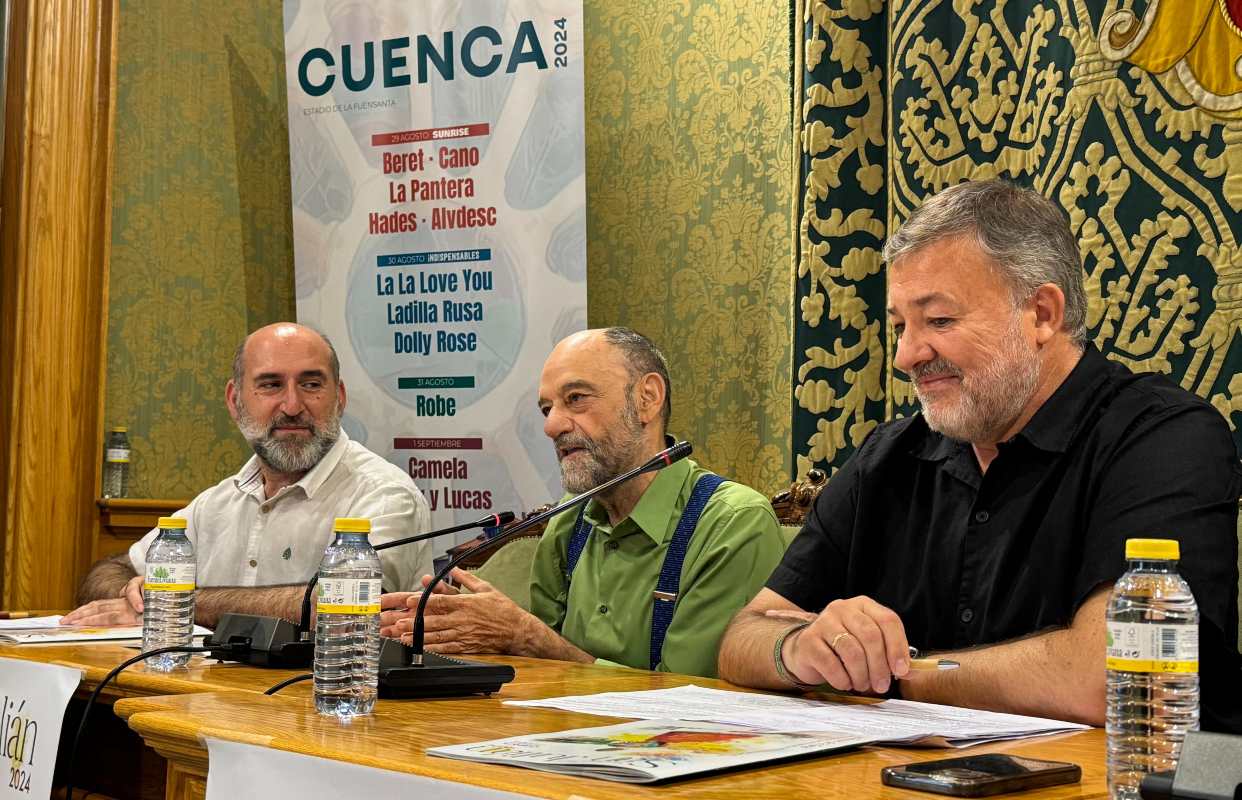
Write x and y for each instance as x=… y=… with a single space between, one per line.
x=348 y=596
x=1150 y=647
x=117 y=455
x=178 y=577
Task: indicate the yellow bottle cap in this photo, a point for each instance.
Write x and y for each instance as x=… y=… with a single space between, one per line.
x=172 y=522
x=1160 y=549
x=120 y=429
x=352 y=525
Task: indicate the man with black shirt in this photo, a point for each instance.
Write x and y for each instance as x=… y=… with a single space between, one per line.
x=991 y=526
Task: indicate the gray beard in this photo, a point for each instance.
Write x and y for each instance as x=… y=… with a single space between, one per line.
x=598 y=469
x=995 y=399
x=292 y=455
x=606 y=459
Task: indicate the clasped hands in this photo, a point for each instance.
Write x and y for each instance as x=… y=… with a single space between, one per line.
x=854 y=645
x=484 y=620
x=124 y=609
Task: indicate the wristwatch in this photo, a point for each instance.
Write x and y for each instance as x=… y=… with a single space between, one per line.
x=779 y=660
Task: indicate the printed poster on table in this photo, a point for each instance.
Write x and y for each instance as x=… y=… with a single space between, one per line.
x=439 y=217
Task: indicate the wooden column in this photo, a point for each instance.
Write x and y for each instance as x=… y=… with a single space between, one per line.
x=55 y=214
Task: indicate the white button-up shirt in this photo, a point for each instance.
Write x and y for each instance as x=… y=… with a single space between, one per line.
x=242 y=538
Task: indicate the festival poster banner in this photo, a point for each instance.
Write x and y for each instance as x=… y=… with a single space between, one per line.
x=439 y=217
x=33 y=698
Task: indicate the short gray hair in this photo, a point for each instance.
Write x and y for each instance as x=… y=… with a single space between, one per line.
x=1025 y=234
x=641 y=357
x=239 y=371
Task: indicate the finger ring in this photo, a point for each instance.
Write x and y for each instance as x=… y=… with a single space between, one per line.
x=837 y=638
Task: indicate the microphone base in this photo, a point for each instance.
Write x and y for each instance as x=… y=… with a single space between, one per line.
x=1208 y=768
x=273 y=642
x=437 y=676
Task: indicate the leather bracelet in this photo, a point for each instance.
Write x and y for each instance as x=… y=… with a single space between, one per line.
x=778 y=659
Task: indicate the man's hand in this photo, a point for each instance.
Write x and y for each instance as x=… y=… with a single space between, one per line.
x=483 y=621
x=397 y=606
x=854 y=645
x=123 y=610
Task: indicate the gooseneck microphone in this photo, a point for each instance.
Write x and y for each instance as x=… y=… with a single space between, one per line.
x=419 y=674
x=262 y=641
x=490 y=521
x=658 y=462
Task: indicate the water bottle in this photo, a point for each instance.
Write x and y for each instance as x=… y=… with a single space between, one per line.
x=1153 y=666
x=168 y=595
x=116 y=463
x=347 y=636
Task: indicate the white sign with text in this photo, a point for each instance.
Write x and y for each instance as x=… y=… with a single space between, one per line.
x=238 y=770
x=33 y=698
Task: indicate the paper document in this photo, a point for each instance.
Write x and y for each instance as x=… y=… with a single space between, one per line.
x=889 y=721
x=48 y=630
x=25 y=623
x=648 y=751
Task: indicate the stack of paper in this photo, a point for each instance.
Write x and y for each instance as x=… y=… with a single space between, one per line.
x=889 y=721
x=48 y=630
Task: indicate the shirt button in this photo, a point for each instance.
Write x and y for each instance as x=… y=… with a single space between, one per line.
x=264 y=509
x=254 y=563
x=981 y=516
x=612 y=545
x=603 y=609
x=967 y=615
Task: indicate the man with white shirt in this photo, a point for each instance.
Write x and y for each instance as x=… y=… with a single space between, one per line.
x=259 y=535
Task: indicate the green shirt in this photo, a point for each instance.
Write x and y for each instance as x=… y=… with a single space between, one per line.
x=606 y=610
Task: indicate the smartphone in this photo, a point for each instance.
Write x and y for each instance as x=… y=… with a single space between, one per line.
x=980 y=776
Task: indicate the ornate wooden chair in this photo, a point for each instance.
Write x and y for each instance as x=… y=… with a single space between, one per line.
x=478 y=560
x=508 y=567
x=793 y=504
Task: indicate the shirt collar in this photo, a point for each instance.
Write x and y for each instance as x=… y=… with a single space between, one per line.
x=655 y=511
x=250 y=477
x=929 y=445
x=1055 y=423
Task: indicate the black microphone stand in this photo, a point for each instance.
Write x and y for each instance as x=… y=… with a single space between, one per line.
x=490 y=521
x=409 y=672
x=262 y=641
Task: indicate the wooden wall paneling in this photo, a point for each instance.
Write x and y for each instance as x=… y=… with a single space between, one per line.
x=123 y=521
x=54 y=242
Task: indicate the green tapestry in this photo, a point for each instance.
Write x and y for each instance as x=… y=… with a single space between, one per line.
x=1129 y=115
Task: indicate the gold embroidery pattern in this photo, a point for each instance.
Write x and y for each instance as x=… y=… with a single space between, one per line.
x=838 y=349
x=1061 y=96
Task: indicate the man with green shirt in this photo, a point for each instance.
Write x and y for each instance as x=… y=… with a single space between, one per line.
x=597 y=589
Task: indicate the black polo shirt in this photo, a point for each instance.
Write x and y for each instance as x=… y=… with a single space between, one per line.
x=967 y=558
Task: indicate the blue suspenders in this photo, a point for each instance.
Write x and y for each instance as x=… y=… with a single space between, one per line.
x=665 y=596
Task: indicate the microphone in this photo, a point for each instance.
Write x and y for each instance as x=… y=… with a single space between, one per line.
x=409 y=672
x=277 y=642
x=490 y=521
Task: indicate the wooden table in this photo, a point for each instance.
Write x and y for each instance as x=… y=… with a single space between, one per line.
x=96 y=659
x=113 y=760
x=399 y=732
